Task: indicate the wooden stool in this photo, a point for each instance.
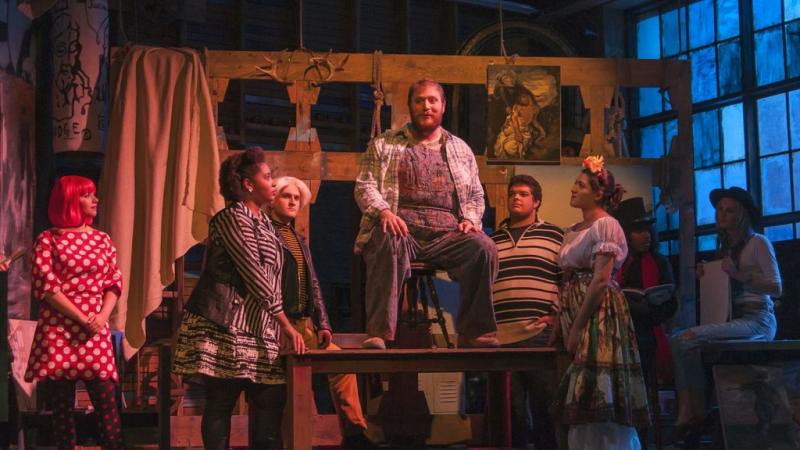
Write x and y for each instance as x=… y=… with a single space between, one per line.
x=419 y=289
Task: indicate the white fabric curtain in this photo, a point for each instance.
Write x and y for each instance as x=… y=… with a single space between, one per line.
x=159 y=186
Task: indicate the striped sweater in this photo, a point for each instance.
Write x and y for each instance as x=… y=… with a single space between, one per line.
x=527 y=284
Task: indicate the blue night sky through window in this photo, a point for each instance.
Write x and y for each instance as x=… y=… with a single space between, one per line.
x=746 y=112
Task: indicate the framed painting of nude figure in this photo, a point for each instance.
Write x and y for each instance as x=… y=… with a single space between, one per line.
x=524 y=114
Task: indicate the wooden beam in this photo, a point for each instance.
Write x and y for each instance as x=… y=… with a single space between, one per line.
x=164 y=382
x=682 y=189
x=302 y=223
x=300 y=403
x=302 y=136
x=343 y=166
x=596 y=99
x=397 y=97
x=447 y=69
x=218 y=87
x=424 y=360
x=340 y=166
x=300 y=368
x=354 y=39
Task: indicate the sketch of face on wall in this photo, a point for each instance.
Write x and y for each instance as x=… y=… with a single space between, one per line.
x=80 y=89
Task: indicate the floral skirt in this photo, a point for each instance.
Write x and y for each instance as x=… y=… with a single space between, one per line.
x=604 y=383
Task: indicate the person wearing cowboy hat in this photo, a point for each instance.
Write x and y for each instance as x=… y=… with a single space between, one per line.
x=644 y=268
x=749 y=260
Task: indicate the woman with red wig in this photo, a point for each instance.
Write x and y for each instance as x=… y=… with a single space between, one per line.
x=76 y=277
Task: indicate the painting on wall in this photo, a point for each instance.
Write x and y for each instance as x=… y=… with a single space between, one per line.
x=524 y=114
x=17 y=187
x=754 y=407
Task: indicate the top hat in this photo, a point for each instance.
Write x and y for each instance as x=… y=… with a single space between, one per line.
x=741 y=196
x=631 y=213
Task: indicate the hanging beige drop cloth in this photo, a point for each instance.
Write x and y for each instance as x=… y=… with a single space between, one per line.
x=159 y=186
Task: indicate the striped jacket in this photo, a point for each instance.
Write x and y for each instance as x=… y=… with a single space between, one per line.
x=240 y=286
x=526 y=287
x=377 y=186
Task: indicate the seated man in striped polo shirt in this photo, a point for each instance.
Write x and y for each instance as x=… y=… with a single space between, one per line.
x=303 y=303
x=525 y=297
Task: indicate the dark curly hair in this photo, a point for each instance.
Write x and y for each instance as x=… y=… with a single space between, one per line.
x=604 y=181
x=235 y=169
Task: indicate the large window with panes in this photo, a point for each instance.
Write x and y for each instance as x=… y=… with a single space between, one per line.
x=746 y=105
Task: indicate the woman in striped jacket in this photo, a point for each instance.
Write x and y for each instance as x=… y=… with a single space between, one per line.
x=231 y=330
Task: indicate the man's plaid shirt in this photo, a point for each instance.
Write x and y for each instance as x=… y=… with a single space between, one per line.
x=377 y=186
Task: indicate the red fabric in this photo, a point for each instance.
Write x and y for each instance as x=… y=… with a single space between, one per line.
x=650 y=272
x=651 y=277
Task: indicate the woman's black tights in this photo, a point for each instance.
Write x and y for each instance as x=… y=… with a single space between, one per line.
x=266 y=402
x=103 y=396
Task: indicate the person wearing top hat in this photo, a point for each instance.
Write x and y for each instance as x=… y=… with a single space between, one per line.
x=644 y=268
x=749 y=260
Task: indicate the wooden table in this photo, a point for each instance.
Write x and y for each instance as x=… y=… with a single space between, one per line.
x=300 y=369
x=737 y=351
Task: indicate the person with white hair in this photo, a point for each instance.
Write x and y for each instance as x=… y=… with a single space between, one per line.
x=303 y=303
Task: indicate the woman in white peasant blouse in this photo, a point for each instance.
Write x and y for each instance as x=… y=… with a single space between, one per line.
x=602 y=395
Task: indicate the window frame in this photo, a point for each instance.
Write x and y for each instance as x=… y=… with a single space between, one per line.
x=748 y=95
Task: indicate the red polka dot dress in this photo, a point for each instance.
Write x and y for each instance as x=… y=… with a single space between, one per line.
x=83 y=266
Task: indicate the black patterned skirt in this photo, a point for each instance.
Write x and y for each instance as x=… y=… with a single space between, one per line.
x=205 y=348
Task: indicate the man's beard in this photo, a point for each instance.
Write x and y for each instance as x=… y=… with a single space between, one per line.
x=427 y=127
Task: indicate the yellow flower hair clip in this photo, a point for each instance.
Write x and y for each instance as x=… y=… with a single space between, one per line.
x=594 y=164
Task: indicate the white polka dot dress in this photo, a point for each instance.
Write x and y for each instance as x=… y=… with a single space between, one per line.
x=83 y=266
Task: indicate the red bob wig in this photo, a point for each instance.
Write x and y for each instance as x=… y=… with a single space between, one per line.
x=64 y=209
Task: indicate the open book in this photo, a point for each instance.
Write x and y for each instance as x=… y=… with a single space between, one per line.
x=655 y=295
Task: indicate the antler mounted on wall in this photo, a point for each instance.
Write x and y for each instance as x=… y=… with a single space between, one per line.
x=324 y=67
x=271 y=68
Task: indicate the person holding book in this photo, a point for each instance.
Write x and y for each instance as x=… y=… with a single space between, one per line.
x=602 y=395
x=644 y=274
x=749 y=260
